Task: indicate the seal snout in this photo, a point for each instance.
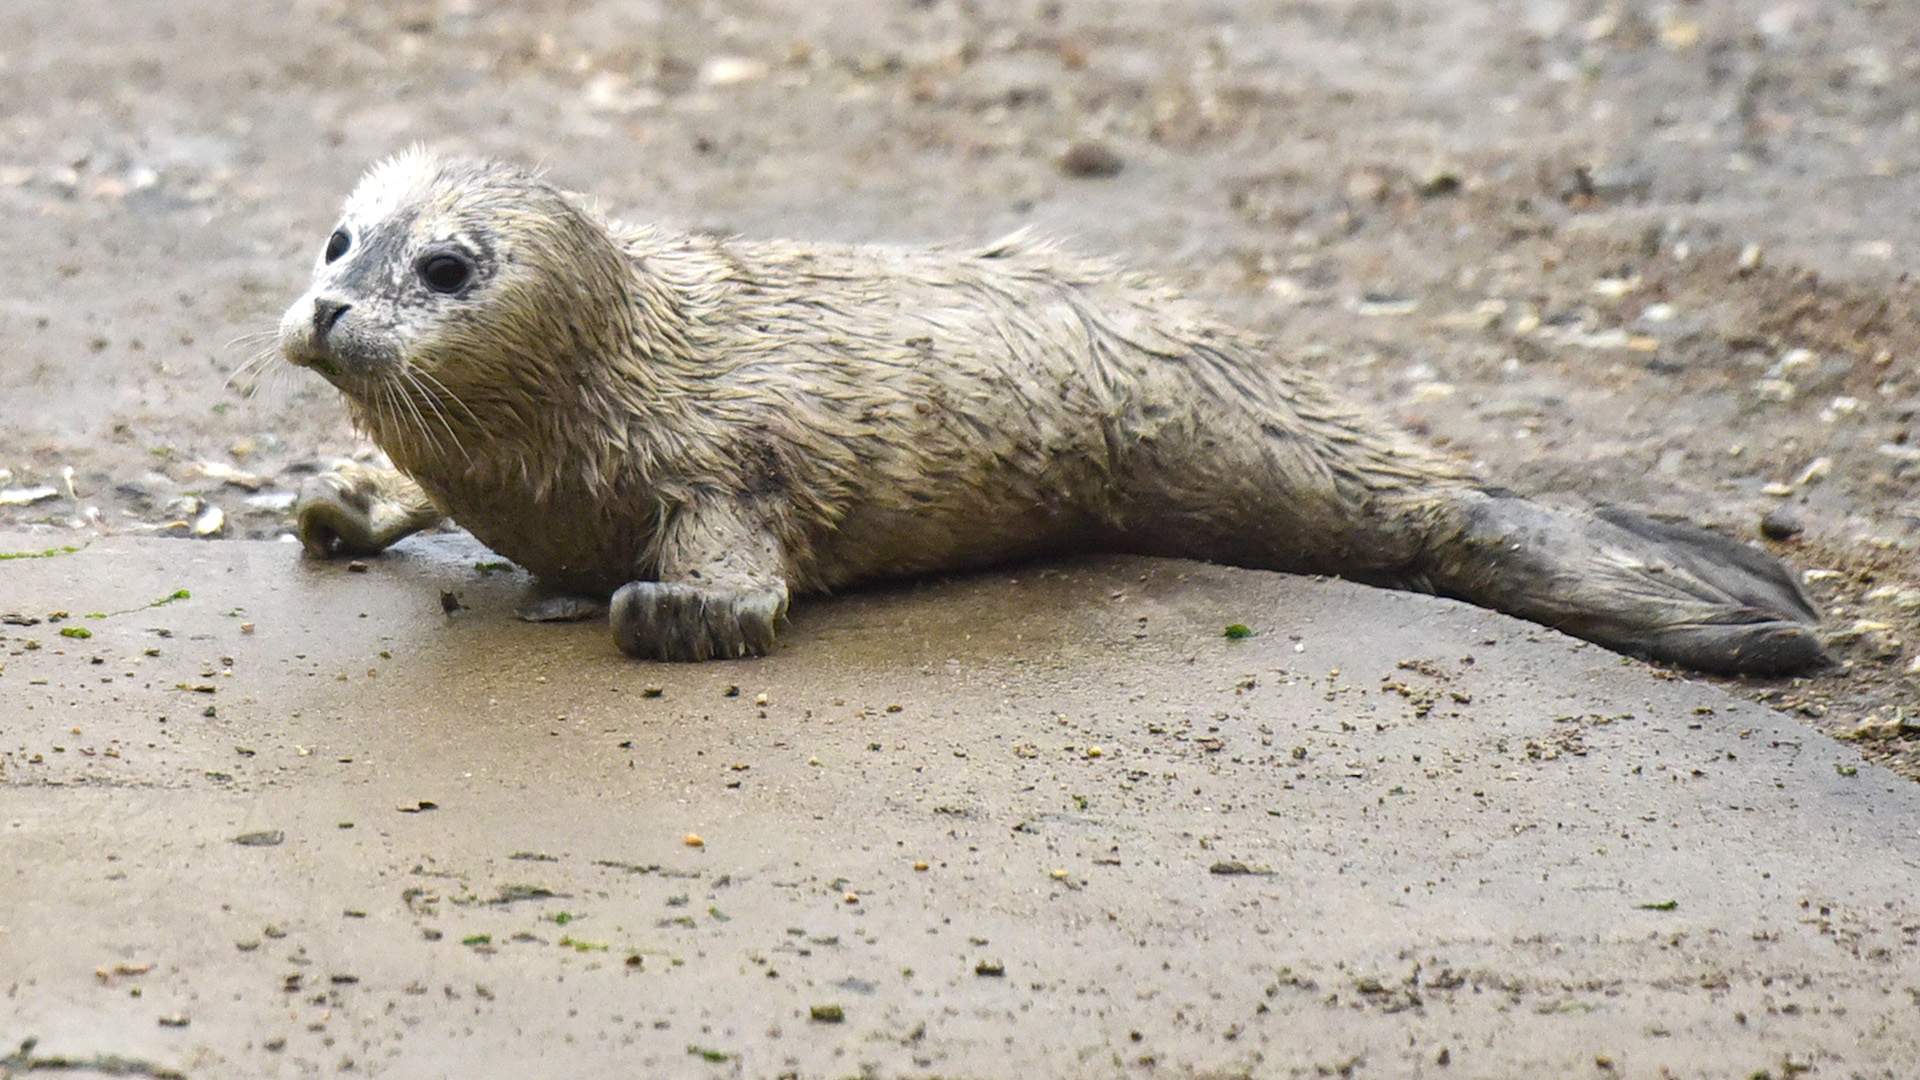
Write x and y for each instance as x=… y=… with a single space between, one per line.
x=327 y=312
x=314 y=334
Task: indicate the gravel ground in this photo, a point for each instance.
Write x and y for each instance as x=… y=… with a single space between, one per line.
x=1652 y=252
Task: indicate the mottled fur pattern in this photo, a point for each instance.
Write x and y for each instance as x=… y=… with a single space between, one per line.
x=710 y=424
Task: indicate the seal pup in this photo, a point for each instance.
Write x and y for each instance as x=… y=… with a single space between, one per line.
x=701 y=428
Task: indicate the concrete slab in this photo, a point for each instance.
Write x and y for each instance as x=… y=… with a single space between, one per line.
x=1046 y=821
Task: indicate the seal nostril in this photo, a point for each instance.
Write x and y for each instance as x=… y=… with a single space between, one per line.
x=326 y=313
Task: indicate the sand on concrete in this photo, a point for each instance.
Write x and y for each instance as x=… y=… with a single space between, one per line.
x=1042 y=821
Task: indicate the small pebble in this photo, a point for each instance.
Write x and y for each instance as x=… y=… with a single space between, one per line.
x=211 y=522
x=27 y=496
x=1091 y=159
x=732 y=70
x=1781 y=523
x=1817 y=470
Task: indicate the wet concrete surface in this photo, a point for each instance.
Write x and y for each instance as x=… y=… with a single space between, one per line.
x=1648 y=252
x=1044 y=821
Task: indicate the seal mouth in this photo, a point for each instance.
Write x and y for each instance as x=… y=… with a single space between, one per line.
x=314 y=357
x=344 y=360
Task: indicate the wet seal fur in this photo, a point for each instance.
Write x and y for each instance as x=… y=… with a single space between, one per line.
x=702 y=428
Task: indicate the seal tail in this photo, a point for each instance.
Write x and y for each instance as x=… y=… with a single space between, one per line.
x=1636 y=584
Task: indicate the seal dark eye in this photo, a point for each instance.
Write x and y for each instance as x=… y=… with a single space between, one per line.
x=337 y=244
x=445 y=273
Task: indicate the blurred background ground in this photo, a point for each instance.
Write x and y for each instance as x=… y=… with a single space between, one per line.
x=1654 y=252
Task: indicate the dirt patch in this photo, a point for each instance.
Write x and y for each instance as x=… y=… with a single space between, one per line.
x=1642 y=252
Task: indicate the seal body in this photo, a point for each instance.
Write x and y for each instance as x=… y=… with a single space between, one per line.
x=702 y=427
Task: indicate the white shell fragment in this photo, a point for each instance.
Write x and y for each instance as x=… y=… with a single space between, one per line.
x=27 y=496
x=211 y=522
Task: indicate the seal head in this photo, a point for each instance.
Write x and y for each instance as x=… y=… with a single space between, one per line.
x=448 y=271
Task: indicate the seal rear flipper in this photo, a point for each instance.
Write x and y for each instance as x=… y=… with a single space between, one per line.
x=1745 y=572
x=1667 y=590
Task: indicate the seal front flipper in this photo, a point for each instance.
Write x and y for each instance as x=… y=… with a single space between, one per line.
x=675 y=620
x=355 y=510
x=1663 y=589
x=722 y=591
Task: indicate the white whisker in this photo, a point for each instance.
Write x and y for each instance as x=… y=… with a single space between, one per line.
x=433 y=403
x=441 y=388
x=402 y=391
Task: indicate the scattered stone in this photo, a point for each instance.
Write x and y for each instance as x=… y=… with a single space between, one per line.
x=610 y=92
x=1614 y=288
x=210 y=522
x=1875 y=639
x=1439 y=183
x=1904 y=597
x=1876 y=730
x=1781 y=523
x=732 y=71
x=27 y=496
x=263 y=838
x=1817 y=470
x=1236 y=868
x=1840 y=408
x=1088 y=159
x=275 y=502
x=226 y=474
x=1678 y=35
x=1383 y=305
x=1793 y=362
